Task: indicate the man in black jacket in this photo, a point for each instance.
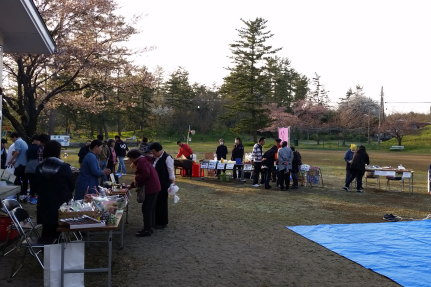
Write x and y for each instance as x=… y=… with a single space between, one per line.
x=164 y=165
x=221 y=152
x=237 y=156
x=268 y=164
x=120 y=150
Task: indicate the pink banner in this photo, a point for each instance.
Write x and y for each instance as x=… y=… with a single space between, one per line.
x=283 y=134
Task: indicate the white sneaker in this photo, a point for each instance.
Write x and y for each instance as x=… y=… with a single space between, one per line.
x=256 y=185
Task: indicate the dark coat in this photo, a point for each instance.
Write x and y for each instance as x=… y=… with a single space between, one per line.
x=146 y=175
x=269 y=156
x=162 y=171
x=297 y=161
x=238 y=152
x=221 y=152
x=54 y=186
x=121 y=148
x=360 y=159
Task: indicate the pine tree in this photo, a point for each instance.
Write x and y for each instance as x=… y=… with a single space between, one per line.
x=248 y=85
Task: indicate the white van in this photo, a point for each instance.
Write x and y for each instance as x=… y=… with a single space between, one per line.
x=64 y=140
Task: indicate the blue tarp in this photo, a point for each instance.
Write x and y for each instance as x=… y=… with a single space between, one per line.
x=398 y=250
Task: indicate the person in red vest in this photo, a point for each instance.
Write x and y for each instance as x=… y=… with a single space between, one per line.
x=185 y=150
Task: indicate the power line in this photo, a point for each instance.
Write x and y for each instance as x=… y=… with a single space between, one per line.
x=407 y=102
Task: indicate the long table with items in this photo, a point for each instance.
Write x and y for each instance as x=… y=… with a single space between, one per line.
x=390 y=174
x=214 y=165
x=114 y=224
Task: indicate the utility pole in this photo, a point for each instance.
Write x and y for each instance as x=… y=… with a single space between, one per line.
x=381 y=114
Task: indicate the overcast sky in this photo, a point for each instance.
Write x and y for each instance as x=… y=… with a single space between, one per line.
x=373 y=43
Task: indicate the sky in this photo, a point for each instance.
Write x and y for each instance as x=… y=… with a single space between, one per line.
x=373 y=43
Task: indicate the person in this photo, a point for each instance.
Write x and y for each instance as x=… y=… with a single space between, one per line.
x=256 y=158
x=145 y=176
x=284 y=165
x=237 y=156
x=274 y=170
x=3 y=153
x=90 y=172
x=268 y=159
x=103 y=157
x=19 y=161
x=185 y=150
x=357 y=168
x=112 y=156
x=144 y=147
x=10 y=151
x=221 y=152
x=54 y=186
x=348 y=156
x=296 y=164
x=32 y=162
x=164 y=165
x=83 y=151
x=121 y=150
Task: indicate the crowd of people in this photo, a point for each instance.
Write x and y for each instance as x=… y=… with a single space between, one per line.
x=38 y=165
x=278 y=164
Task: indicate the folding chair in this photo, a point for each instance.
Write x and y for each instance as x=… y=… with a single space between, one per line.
x=7 y=206
x=28 y=234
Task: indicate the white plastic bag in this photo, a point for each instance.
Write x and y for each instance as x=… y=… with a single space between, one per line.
x=73 y=259
x=173 y=189
x=176 y=198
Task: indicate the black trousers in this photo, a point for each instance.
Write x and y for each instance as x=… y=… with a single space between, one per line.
x=162 y=208
x=21 y=179
x=295 y=178
x=283 y=178
x=257 y=171
x=358 y=174
x=148 y=210
x=348 y=174
x=267 y=175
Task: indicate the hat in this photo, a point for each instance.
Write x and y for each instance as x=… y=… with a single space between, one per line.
x=352 y=146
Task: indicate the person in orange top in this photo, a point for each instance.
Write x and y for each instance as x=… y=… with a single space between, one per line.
x=185 y=150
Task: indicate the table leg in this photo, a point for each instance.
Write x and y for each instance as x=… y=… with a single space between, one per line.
x=62 y=265
x=109 y=257
x=122 y=233
x=127 y=214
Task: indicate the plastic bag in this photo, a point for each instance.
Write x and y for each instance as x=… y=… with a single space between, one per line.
x=173 y=189
x=176 y=198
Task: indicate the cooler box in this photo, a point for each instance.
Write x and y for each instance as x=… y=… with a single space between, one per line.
x=196 y=170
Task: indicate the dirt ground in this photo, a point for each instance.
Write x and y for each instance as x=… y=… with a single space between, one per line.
x=231 y=234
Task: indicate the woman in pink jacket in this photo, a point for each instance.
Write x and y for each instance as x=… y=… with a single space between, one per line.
x=145 y=176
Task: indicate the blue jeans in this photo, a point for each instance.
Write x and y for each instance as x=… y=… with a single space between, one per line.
x=121 y=165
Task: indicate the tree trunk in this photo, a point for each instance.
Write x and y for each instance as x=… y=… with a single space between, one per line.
x=399 y=140
x=51 y=122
